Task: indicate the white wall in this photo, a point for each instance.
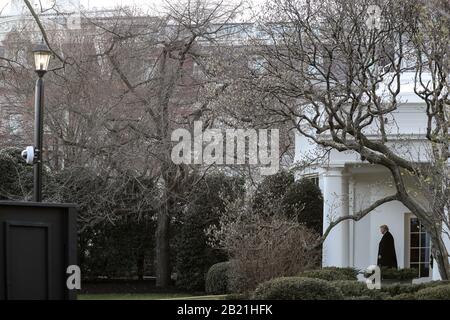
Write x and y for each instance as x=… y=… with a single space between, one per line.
x=369 y=187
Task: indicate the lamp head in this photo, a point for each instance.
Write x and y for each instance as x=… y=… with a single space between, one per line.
x=42 y=56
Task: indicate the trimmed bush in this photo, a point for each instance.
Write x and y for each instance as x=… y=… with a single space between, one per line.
x=350 y=288
x=328 y=274
x=398 y=289
x=358 y=290
x=404 y=296
x=297 y=288
x=217 y=278
x=351 y=273
x=434 y=293
x=359 y=298
x=398 y=274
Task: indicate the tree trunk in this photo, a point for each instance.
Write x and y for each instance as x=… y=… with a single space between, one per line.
x=440 y=255
x=162 y=256
x=433 y=225
x=140 y=265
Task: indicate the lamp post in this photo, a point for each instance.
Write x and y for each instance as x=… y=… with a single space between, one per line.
x=42 y=56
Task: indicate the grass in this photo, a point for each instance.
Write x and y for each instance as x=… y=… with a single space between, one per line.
x=146 y=296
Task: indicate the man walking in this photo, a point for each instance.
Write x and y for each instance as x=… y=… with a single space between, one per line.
x=386 y=249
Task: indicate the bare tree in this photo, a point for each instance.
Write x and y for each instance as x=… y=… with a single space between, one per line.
x=125 y=87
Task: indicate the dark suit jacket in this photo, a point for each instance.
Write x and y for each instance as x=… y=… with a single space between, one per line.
x=386 y=252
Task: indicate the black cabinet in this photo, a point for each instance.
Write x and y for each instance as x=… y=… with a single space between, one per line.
x=37 y=244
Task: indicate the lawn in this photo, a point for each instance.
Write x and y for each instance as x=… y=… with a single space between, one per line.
x=147 y=296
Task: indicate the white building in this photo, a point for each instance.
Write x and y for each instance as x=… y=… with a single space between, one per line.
x=349 y=185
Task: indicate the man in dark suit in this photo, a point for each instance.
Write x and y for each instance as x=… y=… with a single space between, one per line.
x=386 y=249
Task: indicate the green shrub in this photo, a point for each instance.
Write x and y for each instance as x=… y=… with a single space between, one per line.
x=359 y=298
x=297 y=288
x=329 y=274
x=350 y=288
x=405 y=296
x=398 y=274
x=398 y=289
x=434 y=293
x=351 y=273
x=205 y=204
x=301 y=199
x=237 y=281
x=358 y=290
x=217 y=278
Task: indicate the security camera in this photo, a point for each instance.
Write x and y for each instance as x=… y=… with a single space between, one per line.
x=28 y=155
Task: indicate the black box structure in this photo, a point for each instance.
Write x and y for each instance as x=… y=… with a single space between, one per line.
x=38 y=241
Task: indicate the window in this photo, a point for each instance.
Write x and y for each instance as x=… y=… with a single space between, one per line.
x=314 y=178
x=419 y=248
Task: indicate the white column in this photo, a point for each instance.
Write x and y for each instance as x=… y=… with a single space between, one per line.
x=336 y=204
x=351 y=223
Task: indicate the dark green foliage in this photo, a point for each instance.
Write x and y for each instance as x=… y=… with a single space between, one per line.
x=350 y=288
x=349 y=272
x=399 y=288
x=297 y=288
x=359 y=298
x=405 y=296
x=206 y=202
x=329 y=274
x=217 y=278
x=434 y=293
x=304 y=200
x=116 y=221
x=398 y=274
x=16 y=177
x=124 y=249
x=272 y=189
x=358 y=290
x=281 y=194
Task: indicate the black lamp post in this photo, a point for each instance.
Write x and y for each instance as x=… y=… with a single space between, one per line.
x=42 y=56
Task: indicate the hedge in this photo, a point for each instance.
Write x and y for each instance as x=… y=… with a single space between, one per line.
x=405 y=296
x=204 y=206
x=350 y=288
x=398 y=274
x=398 y=289
x=217 y=278
x=434 y=293
x=330 y=274
x=297 y=288
x=358 y=290
x=349 y=272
